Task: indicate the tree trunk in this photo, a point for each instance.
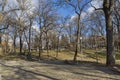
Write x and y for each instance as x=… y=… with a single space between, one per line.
x=0 y=38
x=29 y=45
x=40 y=51
x=58 y=41
x=21 y=45
x=118 y=36
x=108 y=8
x=14 y=43
x=77 y=39
x=40 y=46
x=47 y=44
x=1 y=26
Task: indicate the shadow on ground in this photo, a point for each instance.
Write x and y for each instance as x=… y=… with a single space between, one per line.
x=58 y=70
x=23 y=74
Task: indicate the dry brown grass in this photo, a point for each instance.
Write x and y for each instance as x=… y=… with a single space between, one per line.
x=86 y=55
x=14 y=68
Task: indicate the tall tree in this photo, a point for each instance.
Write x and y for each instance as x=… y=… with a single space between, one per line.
x=116 y=20
x=78 y=6
x=2 y=5
x=46 y=19
x=108 y=6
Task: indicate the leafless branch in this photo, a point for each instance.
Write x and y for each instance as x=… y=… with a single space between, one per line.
x=95 y=7
x=6 y=12
x=4 y=27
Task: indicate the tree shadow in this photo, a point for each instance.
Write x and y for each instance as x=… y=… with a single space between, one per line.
x=60 y=65
x=24 y=74
x=98 y=76
x=86 y=64
x=93 y=56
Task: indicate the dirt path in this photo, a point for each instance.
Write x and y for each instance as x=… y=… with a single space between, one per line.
x=54 y=70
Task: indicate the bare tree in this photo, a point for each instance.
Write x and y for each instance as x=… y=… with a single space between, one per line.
x=78 y=8
x=46 y=20
x=97 y=22
x=116 y=20
x=21 y=18
x=2 y=4
x=108 y=6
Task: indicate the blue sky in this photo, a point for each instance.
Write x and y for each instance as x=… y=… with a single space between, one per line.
x=65 y=12
x=68 y=11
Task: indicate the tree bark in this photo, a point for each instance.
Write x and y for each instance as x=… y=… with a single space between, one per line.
x=40 y=45
x=108 y=8
x=58 y=41
x=14 y=43
x=47 y=44
x=29 y=45
x=0 y=38
x=118 y=36
x=21 y=45
x=77 y=39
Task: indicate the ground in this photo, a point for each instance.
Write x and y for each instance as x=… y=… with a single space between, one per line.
x=90 y=66
x=55 y=70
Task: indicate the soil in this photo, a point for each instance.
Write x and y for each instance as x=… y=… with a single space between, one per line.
x=55 y=70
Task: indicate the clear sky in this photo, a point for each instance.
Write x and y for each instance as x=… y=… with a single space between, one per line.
x=65 y=12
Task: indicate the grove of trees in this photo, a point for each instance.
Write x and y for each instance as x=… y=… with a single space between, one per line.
x=27 y=25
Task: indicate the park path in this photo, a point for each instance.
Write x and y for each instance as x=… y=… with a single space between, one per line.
x=54 y=70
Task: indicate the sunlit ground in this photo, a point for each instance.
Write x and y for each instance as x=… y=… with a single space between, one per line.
x=53 y=68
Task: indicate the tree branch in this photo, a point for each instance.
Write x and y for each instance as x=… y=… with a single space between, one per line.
x=95 y=7
x=3 y=28
x=6 y=12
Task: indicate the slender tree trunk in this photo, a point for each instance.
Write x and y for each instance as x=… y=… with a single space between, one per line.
x=40 y=46
x=14 y=43
x=108 y=8
x=81 y=45
x=57 y=47
x=40 y=39
x=40 y=51
x=29 y=45
x=47 y=44
x=96 y=46
x=77 y=39
x=119 y=37
x=21 y=44
x=0 y=38
x=119 y=41
x=0 y=30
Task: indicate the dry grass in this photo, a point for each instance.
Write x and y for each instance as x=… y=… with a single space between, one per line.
x=12 y=67
x=86 y=55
